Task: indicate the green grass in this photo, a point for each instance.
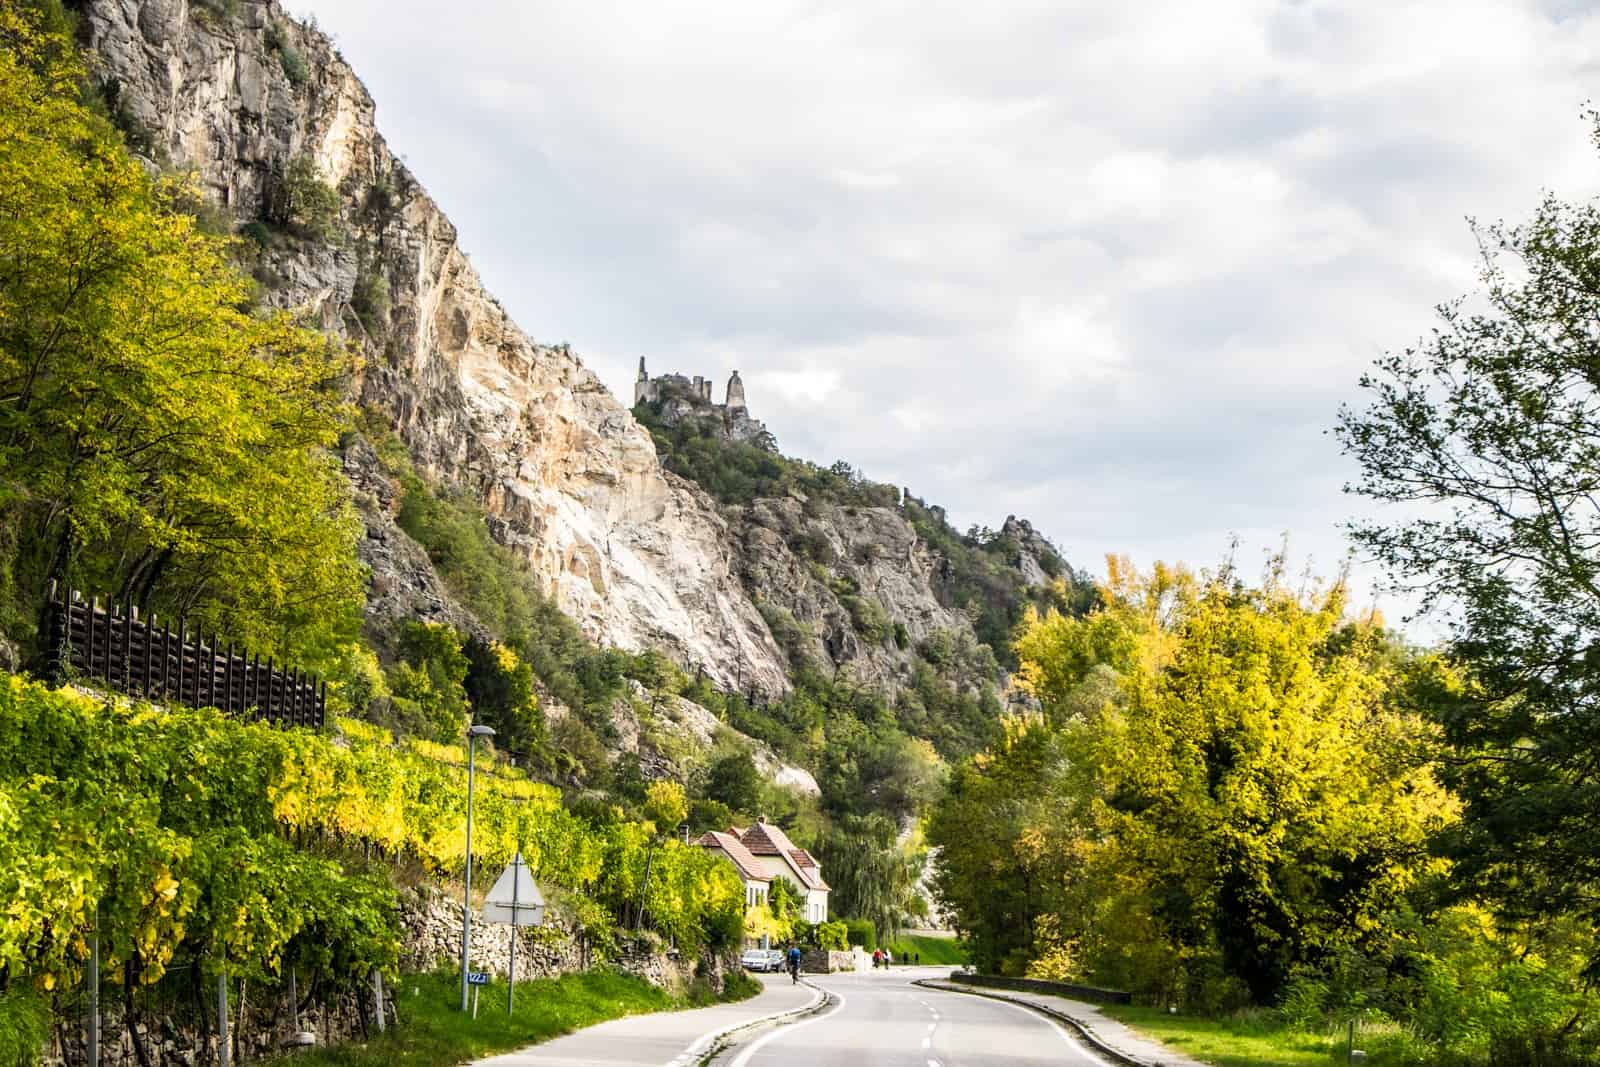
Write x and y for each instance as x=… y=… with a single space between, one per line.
x=24 y=1027
x=937 y=950
x=1259 y=1040
x=433 y=1033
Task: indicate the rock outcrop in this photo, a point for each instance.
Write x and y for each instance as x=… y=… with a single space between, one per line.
x=1033 y=551
x=857 y=581
x=243 y=96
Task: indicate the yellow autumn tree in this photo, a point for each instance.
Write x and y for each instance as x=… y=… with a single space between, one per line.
x=1223 y=785
x=159 y=439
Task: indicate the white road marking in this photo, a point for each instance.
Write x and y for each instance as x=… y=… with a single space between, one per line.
x=927 y=1041
x=744 y=1057
x=933 y=1063
x=703 y=1042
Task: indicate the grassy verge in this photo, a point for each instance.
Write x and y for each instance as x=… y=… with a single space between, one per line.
x=1239 y=1042
x=433 y=1033
x=24 y=1027
x=937 y=950
x=1261 y=1040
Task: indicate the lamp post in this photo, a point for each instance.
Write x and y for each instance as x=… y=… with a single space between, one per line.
x=473 y=733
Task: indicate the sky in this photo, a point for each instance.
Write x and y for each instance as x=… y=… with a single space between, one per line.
x=1110 y=267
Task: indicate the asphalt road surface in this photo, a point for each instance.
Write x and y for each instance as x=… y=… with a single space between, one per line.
x=883 y=1020
x=675 y=1038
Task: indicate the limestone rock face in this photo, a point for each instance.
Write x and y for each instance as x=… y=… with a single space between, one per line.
x=567 y=477
x=846 y=576
x=1032 y=549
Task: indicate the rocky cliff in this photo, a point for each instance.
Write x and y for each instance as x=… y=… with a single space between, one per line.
x=244 y=96
x=281 y=134
x=858 y=581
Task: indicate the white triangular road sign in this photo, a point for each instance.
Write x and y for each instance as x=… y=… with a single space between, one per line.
x=514 y=898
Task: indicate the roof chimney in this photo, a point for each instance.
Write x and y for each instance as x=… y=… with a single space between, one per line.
x=762 y=819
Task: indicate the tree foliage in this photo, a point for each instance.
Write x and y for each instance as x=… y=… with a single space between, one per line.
x=872 y=875
x=157 y=439
x=1246 y=797
x=1487 y=437
x=178 y=825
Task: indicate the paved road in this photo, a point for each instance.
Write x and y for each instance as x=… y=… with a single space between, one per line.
x=656 y=1040
x=885 y=1021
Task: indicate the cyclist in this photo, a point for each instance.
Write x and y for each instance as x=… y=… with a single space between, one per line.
x=794 y=963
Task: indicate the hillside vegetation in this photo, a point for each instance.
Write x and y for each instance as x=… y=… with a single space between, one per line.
x=167 y=437
x=244 y=849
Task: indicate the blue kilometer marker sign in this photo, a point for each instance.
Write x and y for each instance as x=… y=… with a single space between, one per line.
x=478 y=978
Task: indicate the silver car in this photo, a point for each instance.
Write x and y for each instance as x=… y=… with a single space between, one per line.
x=762 y=959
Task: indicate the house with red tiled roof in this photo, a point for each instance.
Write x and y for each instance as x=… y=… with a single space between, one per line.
x=779 y=857
x=751 y=871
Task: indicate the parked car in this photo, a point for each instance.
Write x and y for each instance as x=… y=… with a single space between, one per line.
x=762 y=959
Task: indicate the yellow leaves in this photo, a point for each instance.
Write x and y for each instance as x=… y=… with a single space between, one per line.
x=1030 y=846
x=1242 y=750
x=166 y=886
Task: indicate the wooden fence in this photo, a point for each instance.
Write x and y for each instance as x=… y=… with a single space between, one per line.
x=110 y=644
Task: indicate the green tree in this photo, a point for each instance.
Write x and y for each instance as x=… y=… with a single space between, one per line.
x=157 y=441
x=1488 y=435
x=733 y=780
x=871 y=875
x=427 y=682
x=1239 y=792
x=709 y=815
x=304 y=201
x=499 y=686
x=987 y=877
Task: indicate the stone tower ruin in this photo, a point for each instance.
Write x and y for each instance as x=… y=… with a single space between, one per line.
x=677 y=397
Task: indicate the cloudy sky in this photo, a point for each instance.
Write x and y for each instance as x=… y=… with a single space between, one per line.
x=1109 y=266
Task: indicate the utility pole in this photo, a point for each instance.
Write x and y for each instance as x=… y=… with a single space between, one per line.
x=473 y=733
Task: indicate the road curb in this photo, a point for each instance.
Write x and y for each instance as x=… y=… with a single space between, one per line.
x=1084 y=1030
x=719 y=1042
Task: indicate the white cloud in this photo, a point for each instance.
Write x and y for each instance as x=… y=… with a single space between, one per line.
x=1111 y=266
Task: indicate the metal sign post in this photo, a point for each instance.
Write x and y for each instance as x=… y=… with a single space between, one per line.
x=515 y=899
x=511 y=975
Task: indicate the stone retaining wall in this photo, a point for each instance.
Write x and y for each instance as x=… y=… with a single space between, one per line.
x=830 y=961
x=180 y=1033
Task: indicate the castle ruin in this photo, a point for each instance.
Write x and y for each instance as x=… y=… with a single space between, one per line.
x=677 y=396
x=648 y=390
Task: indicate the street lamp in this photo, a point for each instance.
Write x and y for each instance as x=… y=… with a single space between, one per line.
x=473 y=733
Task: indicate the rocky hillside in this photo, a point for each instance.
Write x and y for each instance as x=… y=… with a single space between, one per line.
x=281 y=134
x=245 y=97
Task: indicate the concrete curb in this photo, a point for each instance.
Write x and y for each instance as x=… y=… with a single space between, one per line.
x=722 y=1040
x=1083 y=1029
